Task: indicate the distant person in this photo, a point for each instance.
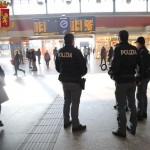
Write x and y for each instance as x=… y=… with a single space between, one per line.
x=94 y=50
x=21 y=57
x=47 y=58
x=141 y=94
x=110 y=54
x=27 y=53
x=16 y=60
x=38 y=53
x=55 y=52
x=89 y=52
x=3 y=95
x=28 y=57
x=33 y=60
x=71 y=65
x=103 y=55
x=85 y=53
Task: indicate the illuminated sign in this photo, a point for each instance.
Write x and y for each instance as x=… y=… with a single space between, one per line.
x=82 y=24
x=61 y=26
x=47 y=26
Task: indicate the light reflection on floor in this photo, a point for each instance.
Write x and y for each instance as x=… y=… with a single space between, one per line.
x=30 y=89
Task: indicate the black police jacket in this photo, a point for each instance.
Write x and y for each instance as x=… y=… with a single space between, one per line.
x=125 y=63
x=71 y=64
x=145 y=56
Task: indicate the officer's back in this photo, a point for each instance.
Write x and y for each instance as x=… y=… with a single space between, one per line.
x=126 y=61
x=70 y=63
x=126 y=58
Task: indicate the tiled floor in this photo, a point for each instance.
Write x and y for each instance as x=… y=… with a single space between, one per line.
x=32 y=94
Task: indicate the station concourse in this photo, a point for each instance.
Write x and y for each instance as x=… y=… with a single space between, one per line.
x=33 y=118
x=33 y=115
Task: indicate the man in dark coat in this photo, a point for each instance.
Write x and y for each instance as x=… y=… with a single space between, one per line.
x=71 y=65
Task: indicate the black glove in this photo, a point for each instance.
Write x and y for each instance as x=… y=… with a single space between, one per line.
x=82 y=83
x=111 y=74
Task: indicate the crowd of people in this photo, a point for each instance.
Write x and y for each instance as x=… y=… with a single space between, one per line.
x=31 y=56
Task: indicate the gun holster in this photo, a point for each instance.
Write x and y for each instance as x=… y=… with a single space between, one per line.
x=82 y=83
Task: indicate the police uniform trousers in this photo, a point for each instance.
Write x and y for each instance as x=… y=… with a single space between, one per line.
x=72 y=94
x=141 y=96
x=123 y=92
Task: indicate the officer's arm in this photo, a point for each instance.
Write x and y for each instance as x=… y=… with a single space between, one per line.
x=57 y=63
x=116 y=61
x=145 y=59
x=141 y=66
x=81 y=63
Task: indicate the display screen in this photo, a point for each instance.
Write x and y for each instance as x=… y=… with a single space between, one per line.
x=47 y=26
x=82 y=24
x=61 y=26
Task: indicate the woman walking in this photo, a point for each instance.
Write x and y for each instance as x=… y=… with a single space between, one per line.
x=17 y=63
x=103 y=54
x=47 y=58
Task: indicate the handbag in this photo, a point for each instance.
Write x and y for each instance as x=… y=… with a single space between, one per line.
x=12 y=61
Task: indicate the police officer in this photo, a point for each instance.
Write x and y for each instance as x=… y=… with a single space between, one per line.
x=71 y=65
x=141 y=94
x=123 y=70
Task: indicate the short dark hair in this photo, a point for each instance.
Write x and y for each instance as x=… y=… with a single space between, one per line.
x=123 y=34
x=69 y=38
x=140 y=40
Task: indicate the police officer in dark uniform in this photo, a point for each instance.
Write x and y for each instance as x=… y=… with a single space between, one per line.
x=71 y=65
x=141 y=94
x=123 y=70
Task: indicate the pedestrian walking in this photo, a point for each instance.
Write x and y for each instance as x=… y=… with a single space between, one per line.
x=16 y=61
x=47 y=58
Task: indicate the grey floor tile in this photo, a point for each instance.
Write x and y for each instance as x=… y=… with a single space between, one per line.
x=20 y=114
x=10 y=141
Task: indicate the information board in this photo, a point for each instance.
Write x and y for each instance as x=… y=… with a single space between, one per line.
x=47 y=26
x=61 y=26
x=82 y=24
